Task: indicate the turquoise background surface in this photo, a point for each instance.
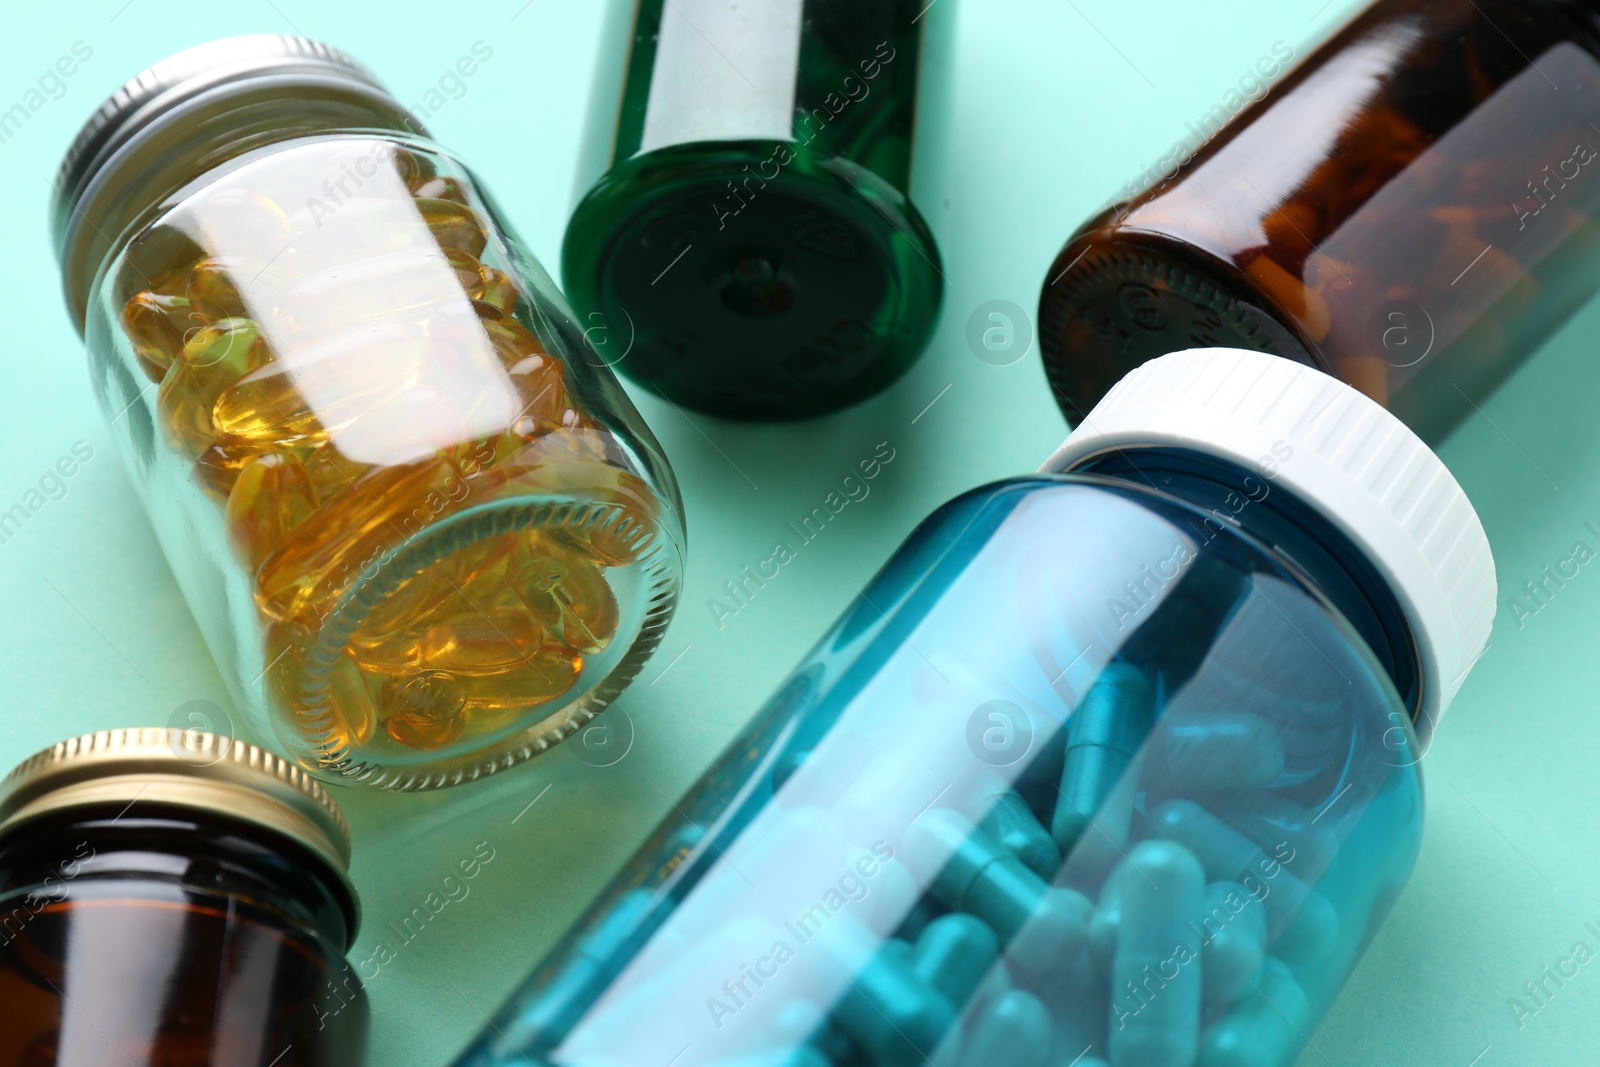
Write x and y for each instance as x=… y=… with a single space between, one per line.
x=1058 y=104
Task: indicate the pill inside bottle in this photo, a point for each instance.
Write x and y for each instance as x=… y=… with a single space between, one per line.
x=423 y=531
x=1114 y=764
x=1413 y=206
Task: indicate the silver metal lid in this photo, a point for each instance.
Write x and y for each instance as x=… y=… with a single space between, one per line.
x=149 y=133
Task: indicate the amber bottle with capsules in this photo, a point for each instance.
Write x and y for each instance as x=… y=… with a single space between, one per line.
x=1411 y=209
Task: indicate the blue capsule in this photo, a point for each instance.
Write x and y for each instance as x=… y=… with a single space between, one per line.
x=1192 y=750
x=1232 y=932
x=1075 y=995
x=1013 y=1029
x=1270 y=820
x=1302 y=926
x=1103 y=924
x=1155 y=973
x=1011 y=823
x=1041 y=926
x=1038 y=777
x=954 y=954
x=1103 y=736
x=830 y=1042
x=891 y=1014
x=1266 y=1027
x=916 y=919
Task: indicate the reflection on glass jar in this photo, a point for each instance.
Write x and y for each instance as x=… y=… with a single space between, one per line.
x=1141 y=802
x=425 y=533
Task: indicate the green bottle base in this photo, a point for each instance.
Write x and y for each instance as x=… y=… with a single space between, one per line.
x=751 y=279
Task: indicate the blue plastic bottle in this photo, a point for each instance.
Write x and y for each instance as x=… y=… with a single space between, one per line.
x=1112 y=764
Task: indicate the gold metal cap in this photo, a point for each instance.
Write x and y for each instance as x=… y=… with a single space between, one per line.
x=186 y=768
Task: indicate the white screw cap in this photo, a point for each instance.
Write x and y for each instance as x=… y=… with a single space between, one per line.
x=1353 y=461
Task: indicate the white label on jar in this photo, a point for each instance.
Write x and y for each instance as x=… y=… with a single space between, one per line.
x=724 y=70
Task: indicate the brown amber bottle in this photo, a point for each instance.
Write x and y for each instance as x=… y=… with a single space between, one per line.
x=1411 y=209
x=172 y=897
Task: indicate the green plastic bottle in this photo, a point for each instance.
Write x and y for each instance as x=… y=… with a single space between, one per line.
x=747 y=244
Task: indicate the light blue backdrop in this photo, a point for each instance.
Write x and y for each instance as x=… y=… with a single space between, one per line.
x=1059 y=103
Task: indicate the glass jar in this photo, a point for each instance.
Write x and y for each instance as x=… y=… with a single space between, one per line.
x=174 y=897
x=422 y=528
x=746 y=241
x=1411 y=209
x=1141 y=802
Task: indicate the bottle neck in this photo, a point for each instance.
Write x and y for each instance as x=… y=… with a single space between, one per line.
x=1300 y=536
x=116 y=187
x=176 y=846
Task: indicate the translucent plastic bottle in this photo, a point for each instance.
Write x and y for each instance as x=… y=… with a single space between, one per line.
x=424 y=531
x=746 y=243
x=1111 y=765
x=1412 y=209
x=173 y=897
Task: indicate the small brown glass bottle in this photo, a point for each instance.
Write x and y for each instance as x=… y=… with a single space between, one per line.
x=1411 y=209
x=174 y=898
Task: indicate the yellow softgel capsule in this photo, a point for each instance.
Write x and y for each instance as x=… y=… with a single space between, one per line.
x=348 y=533
x=511 y=339
x=548 y=675
x=253 y=222
x=271 y=496
x=569 y=596
x=542 y=390
x=466 y=270
x=474 y=574
x=266 y=408
x=156 y=325
x=497 y=289
x=353 y=712
x=214 y=358
x=578 y=463
x=353 y=373
x=454 y=225
x=415 y=169
x=482 y=282
x=330 y=470
x=423 y=710
x=615 y=538
x=438 y=188
x=344 y=715
x=469 y=640
x=211 y=291
x=218 y=467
